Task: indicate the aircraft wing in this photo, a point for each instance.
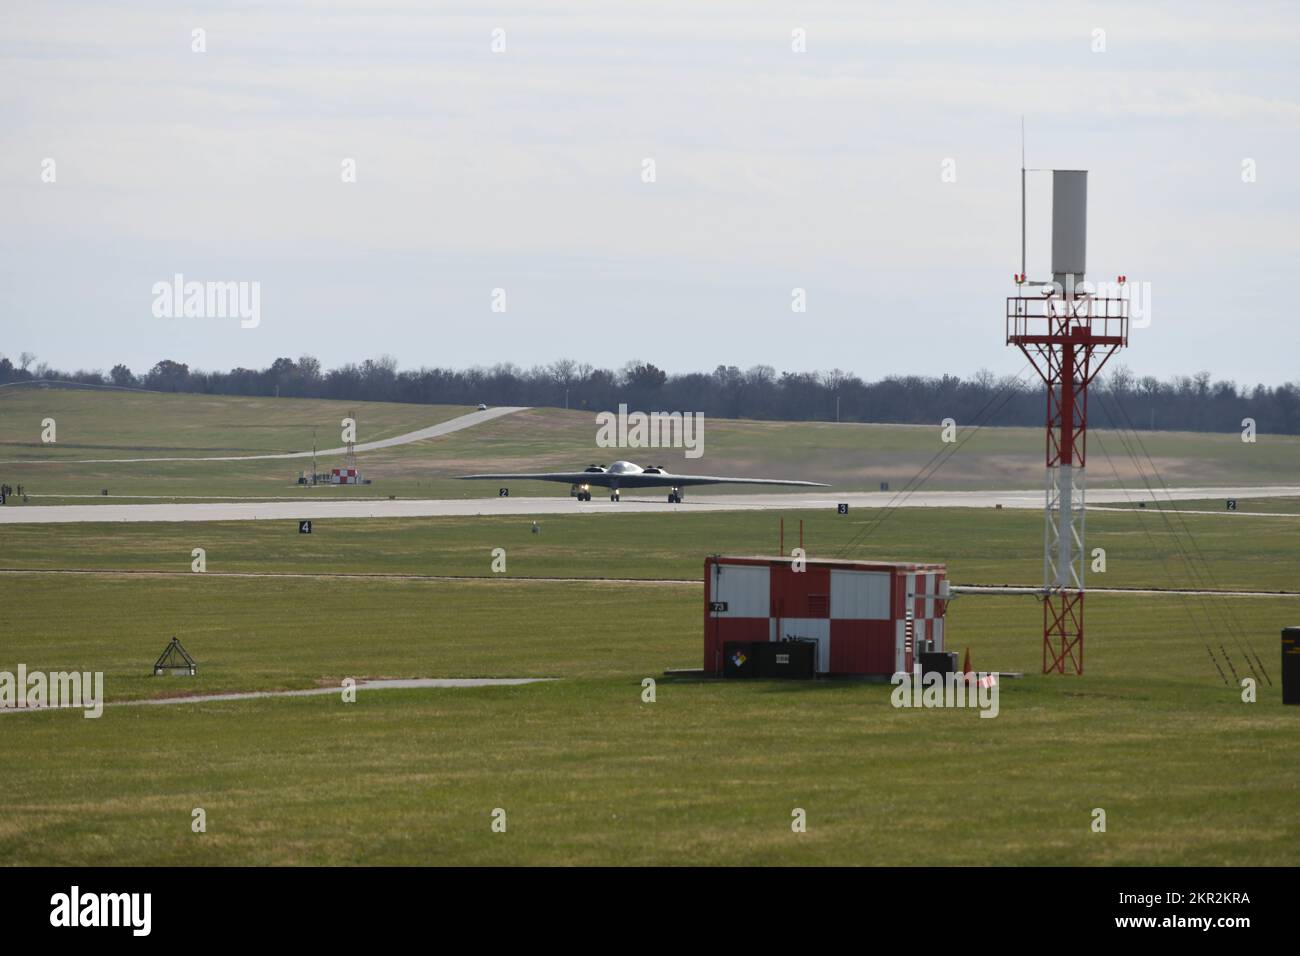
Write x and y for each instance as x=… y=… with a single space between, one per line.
x=683 y=481
x=568 y=477
x=630 y=480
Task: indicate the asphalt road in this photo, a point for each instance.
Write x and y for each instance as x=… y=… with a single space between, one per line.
x=562 y=504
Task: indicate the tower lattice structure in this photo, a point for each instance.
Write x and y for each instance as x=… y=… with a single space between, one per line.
x=1068 y=338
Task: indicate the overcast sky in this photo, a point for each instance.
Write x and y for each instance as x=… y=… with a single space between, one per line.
x=523 y=170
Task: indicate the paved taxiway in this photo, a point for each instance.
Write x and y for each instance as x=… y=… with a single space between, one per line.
x=562 y=504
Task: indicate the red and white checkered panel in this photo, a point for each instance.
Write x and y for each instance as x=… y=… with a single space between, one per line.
x=800 y=594
x=746 y=589
x=932 y=607
x=862 y=647
x=857 y=617
x=926 y=605
x=860 y=595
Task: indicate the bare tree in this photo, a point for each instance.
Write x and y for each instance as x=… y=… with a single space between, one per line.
x=563 y=372
x=834 y=378
x=309 y=367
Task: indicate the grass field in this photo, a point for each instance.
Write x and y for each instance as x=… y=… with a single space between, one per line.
x=142 y=424
x=123 y=425
x=1264 y=506
x=979 y=546
x=587 y=772
x=851 y=457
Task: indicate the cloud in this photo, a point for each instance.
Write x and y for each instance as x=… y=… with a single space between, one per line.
x=821 y=167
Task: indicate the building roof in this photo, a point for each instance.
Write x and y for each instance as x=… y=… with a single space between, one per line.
x=857 y=564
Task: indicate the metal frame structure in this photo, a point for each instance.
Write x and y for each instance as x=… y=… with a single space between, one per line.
x=1067 y=337
x=175 y=660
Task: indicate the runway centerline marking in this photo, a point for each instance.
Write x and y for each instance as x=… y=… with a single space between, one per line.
x=497 y=506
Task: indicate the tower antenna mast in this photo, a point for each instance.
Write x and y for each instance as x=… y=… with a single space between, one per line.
x=1022 y=195
x=1067 y=336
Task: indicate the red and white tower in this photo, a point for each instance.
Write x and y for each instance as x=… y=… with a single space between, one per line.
x=1068 y=334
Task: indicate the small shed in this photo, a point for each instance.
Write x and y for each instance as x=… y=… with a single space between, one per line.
x=866 y=617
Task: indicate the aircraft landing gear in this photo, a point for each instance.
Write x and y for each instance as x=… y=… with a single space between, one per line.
x=614 y=496
x=584 y=496
x=675 y=496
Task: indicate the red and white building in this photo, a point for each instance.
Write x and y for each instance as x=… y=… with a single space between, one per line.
x=856 y=611
x=345 y=476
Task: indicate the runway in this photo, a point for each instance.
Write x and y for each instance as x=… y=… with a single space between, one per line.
x=564 y=505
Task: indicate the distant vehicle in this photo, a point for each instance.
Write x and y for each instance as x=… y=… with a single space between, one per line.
x=482 y=407
x=627 y=474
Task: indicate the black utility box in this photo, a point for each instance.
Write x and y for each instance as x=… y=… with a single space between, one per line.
x=786 y=659
x=738 y=659
x=769 y=659
x=1291 y=665
x=939 y=662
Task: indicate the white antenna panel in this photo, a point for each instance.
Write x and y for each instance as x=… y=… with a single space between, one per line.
x=1069 y=224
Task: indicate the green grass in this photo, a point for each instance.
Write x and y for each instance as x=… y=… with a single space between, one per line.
x=122 y=425
x=980 y=546
x=1264 y=506
x=851 y=457
x=589 y=774
x=145 y=424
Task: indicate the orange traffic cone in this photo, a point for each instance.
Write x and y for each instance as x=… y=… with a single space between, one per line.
x=965 y=670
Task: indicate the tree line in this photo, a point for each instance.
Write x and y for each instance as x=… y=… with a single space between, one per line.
x=1185 y=402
